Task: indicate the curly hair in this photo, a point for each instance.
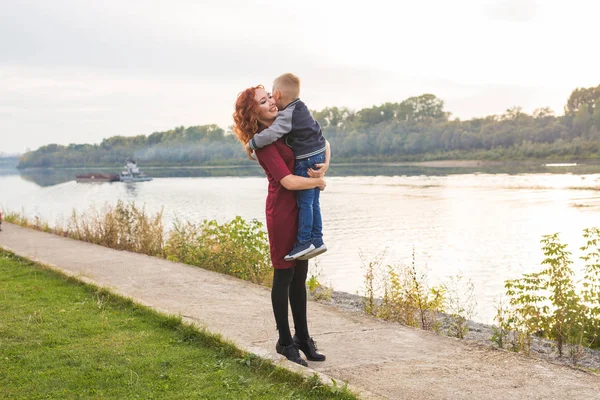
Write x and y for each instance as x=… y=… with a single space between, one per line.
x=245 y=116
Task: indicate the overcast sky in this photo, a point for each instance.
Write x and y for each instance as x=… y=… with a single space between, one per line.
x=77 y=71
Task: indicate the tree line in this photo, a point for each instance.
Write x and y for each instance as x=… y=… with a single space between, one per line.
x=416 y=129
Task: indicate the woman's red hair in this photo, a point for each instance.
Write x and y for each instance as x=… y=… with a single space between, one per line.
x=245 y=116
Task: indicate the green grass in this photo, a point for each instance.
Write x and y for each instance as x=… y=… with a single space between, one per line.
x=60 y=338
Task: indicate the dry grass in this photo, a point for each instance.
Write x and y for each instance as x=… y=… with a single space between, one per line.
x=123 y=227
x=407 y=297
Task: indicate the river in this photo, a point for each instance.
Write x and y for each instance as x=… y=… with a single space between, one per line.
x=483 y=223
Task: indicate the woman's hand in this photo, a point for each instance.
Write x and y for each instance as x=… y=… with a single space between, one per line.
x=320 y=172
x=322 y=168
x=322 y=184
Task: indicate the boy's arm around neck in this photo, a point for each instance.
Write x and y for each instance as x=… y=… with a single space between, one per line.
x=281 y=126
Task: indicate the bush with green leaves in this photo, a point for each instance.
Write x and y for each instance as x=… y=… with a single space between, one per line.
x=239 y=248
x=590 y=293
x=551 y=303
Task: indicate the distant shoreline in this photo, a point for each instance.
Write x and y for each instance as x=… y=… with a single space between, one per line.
x=433 y=164
x=441 y=164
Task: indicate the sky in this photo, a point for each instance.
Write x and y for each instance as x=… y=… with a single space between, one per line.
x=74 y=71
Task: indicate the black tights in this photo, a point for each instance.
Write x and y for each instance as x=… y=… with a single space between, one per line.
x=290 y=283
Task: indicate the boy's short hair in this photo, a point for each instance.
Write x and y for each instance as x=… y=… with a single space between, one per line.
x=289 y=84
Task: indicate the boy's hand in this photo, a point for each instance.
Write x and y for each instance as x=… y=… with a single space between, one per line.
x=249 y=151
x=320 y=172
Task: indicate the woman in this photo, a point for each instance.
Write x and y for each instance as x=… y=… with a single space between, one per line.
x=255 y=110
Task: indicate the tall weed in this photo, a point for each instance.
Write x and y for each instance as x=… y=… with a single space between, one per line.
x=407 y=296
x=459 y=304
x=123 y=227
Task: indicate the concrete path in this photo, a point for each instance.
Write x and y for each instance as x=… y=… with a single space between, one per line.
x=383 y=360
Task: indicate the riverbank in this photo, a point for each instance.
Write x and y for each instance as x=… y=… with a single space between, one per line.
x=482 y=334
x=382 y=358
x=478 y=332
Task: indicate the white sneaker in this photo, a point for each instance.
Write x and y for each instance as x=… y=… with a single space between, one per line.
x=317 y=251
x=299 y=251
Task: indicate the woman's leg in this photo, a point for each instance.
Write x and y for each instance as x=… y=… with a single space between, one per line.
x=298 y=299
x=282 y=278
x=298 y=302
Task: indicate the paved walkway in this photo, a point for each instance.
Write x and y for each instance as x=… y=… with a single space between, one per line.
x=385 y=360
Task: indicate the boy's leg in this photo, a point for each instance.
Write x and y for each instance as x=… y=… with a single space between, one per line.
x=316 y=232
x=304 y=198
x=317 y=223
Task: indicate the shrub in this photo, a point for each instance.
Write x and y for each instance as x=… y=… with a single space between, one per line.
x=548 y=303
x=238 y=248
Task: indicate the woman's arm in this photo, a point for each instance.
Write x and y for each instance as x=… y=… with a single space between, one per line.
x=294 y=182
x=273 y=163
x=320 y=173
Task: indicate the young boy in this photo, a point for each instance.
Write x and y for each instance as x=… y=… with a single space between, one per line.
x=304 y=136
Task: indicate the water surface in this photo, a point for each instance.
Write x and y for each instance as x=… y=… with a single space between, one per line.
x=484 y=225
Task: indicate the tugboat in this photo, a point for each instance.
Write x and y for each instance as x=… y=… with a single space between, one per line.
x=97 y=177
x=132 y=173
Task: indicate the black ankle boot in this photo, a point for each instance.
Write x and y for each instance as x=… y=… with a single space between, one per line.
x=309 y=348
x=291 y=353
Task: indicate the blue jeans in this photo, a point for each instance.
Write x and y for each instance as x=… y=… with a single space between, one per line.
x=310 y=224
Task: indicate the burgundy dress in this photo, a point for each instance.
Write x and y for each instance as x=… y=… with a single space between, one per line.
x=277 y=159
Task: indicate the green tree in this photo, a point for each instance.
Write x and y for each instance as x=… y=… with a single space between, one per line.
x=543 y=113
x=596 y=114
x=582 y=97
x=424 y=106
x=582 y=120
